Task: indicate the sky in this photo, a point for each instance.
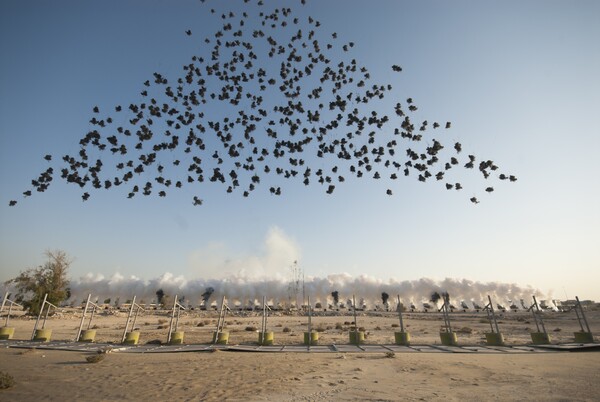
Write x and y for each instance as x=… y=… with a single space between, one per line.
x=518 y=80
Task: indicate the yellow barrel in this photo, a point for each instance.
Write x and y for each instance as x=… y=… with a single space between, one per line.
x=221 y=339
x=357 y=337
x=87 y=336
x=402 y=338
x=494 y=339
x=132 y=338
x=312 y=337
x=448 y=338
x=176 y=338
x=540 y=338
x=42 y=335
x=7 y=333
x=583 y=337
x=267 y=340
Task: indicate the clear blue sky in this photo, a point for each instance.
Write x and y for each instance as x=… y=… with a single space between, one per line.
x=519 y=81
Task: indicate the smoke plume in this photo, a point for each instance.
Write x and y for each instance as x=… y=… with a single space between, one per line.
x=247 y=291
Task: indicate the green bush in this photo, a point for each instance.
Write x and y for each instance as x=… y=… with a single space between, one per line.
x=6 y=380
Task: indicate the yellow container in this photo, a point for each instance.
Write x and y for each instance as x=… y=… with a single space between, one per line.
x=581 y=337
x=311 y=338
x=540 y=338
x=357 y=337
x=176 y=338
x=221 y=339
x=7 y=333
x=267 y=340
x=132 y=338
x=42 y=335
x=494 y=339
x=402 y=338
x=87 y=336
x=449 y=338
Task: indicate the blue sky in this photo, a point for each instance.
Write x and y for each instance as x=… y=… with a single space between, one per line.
x=517 y=79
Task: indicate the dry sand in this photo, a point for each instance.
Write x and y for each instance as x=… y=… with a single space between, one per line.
x=226 y=375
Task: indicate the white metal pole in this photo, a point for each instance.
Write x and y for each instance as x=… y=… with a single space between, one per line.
x=39 y=316
x=172 y=317
x=128 y=319
x=83 y=317
x=400 y=315
x=583 y=315
x=4 y=301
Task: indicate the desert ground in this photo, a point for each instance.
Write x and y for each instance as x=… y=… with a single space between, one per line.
x=227 y=375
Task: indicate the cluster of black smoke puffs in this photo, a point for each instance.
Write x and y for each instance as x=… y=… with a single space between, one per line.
x=269 y=94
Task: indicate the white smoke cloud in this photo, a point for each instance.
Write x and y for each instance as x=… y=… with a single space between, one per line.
x=278 y=253
x=248 y=290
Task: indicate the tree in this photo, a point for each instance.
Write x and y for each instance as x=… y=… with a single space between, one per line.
x=51 y=278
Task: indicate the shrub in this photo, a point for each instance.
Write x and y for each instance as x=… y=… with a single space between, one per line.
x=251 y=328
x=162 y=320
x=395 y=325
x=286 y=329
x=6 y=380
x=390 y=355
x=339 y=326
x=465 y=330
x=98 y=357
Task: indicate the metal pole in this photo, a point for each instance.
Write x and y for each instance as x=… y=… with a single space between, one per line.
x=309 y=319
x=446 y=315
x=578 y=317
x=8 y=316
x=400 y=315
x=264 y=319
x=534 y=316
x=39 y=316
x=137 y=310
x=540 y=317
x=4 y=301
x=354 y=310
x=583 y=315
x=83 y=317
x=493 y=316
x=487 y=311
x=177 y=318
x=219 y=321
x=92 y=316
x=46 y=316
x=128 y=319
x=172 y=317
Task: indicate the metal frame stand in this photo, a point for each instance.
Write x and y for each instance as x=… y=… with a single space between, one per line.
x=265 y=315
x=445 y=314
x=537 y=317
x=221 y=321
x=489 y=308
x=137 y=308
x=400 y=315
x=581 y=317
x=12 y=303
x=94 y=307
x=44 y=303
x=176 y=306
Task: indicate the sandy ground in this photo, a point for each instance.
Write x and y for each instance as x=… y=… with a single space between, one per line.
x=227 y=375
